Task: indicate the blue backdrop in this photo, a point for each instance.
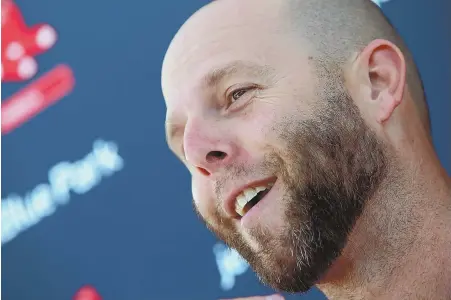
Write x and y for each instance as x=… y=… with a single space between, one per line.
x=121 y=220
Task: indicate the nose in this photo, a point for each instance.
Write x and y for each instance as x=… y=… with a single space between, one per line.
x=207 y=148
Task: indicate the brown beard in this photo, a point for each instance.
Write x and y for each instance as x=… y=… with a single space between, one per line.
x=332 y=166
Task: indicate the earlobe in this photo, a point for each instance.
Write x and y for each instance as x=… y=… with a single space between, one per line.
x=386 y=106
x=385 y=65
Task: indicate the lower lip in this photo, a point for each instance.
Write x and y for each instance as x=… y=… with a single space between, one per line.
x=252 y=215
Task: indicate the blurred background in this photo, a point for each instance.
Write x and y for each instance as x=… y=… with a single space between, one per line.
x=93 y=203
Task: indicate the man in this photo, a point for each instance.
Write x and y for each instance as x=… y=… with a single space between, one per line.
x=306 y=131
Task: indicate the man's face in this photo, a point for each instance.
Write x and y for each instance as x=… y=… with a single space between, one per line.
x=281 y=160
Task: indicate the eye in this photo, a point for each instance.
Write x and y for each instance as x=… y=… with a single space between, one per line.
x=238 y=93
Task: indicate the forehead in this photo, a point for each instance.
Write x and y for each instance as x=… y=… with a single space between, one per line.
x=226 y=42
x=217 y=50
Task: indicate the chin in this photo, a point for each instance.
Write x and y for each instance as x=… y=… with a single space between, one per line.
x=295 y=259
x=284 y=275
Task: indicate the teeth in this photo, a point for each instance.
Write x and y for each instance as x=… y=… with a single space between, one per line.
x=241 y=200
x=239 y=210
x=262 y=188
x=246 y=196
x=249 y=194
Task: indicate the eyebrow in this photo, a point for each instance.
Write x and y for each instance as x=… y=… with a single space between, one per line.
x=215 y=76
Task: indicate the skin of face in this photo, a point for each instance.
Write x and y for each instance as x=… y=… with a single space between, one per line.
x=249 y=105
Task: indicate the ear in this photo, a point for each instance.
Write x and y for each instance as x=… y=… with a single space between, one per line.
x=381 y=69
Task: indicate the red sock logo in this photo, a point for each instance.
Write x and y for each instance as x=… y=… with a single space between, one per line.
x=20 y=45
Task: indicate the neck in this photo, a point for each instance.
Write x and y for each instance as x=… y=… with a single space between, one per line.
x=400 y=248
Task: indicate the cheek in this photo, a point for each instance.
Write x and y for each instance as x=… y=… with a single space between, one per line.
x=263 y=126
x=257 y=125
x=204 y=200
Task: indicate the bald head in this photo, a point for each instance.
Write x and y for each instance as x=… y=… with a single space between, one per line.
x=335 y=30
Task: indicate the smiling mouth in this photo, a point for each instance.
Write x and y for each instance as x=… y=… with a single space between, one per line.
x=249 y=197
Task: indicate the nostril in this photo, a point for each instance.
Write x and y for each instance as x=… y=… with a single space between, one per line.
x=214 y=156
x=203 y=171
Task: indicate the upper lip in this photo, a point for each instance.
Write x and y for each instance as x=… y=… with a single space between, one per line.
x=229 y=204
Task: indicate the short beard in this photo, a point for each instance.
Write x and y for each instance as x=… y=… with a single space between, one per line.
x=332 y=165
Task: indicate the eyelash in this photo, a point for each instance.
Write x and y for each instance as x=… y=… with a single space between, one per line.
x=244 y=90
